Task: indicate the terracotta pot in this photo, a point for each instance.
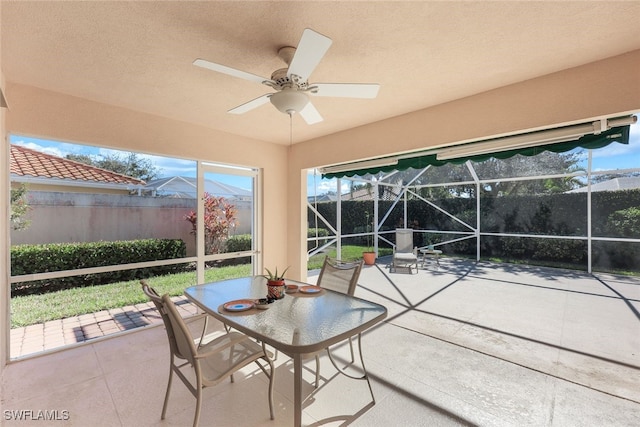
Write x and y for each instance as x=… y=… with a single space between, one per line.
x=275 y=289
x=369 y=258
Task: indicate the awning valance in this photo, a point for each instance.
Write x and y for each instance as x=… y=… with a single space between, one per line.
x=617 y=134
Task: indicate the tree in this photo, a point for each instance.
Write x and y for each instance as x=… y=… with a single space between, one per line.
x=545 y=163
x=130 y=164
x=81 y=158
x=19 y=208
x=219 y=220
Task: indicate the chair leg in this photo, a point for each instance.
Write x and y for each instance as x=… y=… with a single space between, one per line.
x=364 y=368
x=204 y=331
x=166 y=395
x=196 y=418
x=271 y=375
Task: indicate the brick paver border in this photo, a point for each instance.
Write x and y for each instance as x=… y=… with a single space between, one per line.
x=58 y=333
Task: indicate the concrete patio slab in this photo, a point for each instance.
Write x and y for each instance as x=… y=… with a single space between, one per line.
x=466 y=345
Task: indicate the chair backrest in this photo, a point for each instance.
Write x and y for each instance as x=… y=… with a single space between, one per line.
x=152 y=295
x=163 y=310
x=404 y=240
x=185 y=346
x=339 y=275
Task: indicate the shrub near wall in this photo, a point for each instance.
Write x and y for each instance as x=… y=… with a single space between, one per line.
x=32 y=259
x=238 y=243
x=322 y=237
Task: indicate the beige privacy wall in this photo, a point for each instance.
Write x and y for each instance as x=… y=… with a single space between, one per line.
x=607 y=88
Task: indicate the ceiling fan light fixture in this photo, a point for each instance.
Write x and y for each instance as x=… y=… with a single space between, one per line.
x=289 y=101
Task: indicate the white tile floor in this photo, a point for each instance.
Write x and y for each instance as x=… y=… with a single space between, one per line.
x=465 y=344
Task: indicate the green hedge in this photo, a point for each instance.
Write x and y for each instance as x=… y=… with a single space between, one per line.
x=323 y=236
x=32 y=259
x=624 y=223
x=242 y=242
x=239 y=243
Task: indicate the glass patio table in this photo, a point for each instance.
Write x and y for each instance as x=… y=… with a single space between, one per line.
x=296 y=325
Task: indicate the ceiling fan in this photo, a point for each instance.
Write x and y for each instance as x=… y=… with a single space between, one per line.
x=291 y=84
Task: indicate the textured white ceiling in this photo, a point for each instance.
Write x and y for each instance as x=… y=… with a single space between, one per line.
x=139 y=55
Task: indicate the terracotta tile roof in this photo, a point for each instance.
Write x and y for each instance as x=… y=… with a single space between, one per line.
x=27 y=162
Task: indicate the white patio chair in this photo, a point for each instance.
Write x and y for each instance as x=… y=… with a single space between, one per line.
x=339 y=276
x=404 y=253
x=211 y=362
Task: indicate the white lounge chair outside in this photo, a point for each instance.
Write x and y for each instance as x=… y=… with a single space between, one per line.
x=404 y=254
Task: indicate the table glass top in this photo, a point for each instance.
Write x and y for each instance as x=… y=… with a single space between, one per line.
x=300 y=323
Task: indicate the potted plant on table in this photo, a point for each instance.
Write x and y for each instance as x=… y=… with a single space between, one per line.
x=275 y=283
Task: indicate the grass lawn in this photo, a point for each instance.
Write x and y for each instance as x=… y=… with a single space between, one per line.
x=31 y=309
x=349 y=253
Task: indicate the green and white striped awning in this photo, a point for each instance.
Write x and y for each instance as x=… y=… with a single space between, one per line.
x=617 y=134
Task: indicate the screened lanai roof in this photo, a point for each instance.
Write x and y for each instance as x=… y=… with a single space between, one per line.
x=617 y=134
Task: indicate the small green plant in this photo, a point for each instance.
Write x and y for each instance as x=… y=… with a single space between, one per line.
x=275 y=275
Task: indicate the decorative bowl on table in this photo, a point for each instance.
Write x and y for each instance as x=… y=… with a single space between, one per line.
x=263 y=303
x=290 y=289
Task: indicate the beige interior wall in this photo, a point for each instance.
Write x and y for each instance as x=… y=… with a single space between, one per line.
x=42 y=113
x=605 y=88
x=5 y=290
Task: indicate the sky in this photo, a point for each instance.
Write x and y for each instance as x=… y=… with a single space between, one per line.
x=615 y=156
x=619 y=156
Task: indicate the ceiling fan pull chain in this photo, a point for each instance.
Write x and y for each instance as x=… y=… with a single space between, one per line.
x=290 y=130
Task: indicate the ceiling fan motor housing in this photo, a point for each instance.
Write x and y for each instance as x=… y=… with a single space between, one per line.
x=282 y=80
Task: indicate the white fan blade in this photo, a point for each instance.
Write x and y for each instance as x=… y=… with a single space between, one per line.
x=309 y=52
x=345 y=90
x=229 y=71
x=248 y=106
x=310 y=114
